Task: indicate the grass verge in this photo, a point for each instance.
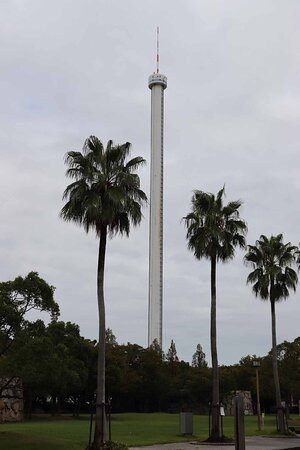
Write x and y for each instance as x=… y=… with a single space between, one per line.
x=133 y=429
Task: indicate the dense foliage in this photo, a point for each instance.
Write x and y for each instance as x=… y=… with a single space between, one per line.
x=17 y=298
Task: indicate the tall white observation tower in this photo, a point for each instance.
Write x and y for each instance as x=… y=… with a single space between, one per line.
x=157 y=83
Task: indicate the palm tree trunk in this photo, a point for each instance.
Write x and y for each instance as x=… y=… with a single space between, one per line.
x=216 y=428
x=100 y=427
x=280 y=414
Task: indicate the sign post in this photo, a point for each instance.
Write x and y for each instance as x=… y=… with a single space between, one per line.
x=256 y=365
x=239 y=426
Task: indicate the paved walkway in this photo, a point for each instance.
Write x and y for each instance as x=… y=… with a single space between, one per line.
x=252 y=443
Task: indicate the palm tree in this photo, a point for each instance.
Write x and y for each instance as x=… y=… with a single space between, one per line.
x=272 y=277
x=213 y=232
x=105 y=197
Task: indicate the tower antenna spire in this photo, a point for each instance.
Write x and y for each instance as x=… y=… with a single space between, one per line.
x=157 y=50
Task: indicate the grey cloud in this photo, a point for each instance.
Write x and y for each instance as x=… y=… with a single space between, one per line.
x=74 y=68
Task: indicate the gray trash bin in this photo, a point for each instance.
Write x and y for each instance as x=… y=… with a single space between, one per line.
x=186 y=423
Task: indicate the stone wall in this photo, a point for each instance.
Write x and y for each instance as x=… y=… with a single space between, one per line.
x=11 y=401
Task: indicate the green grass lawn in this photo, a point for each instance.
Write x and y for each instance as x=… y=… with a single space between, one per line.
x=66 y=433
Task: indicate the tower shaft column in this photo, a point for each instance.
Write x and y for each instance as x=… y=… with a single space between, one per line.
x=157 y=84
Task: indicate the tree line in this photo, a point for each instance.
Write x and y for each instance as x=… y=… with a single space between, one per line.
x=58 y=366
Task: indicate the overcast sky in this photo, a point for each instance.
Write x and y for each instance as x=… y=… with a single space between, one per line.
x=72 y=68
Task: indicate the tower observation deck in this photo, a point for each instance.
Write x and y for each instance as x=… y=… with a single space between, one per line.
x=157 y=83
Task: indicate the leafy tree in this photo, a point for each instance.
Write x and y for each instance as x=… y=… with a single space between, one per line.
x=171 y=355
x=110 y=338
x=137 y=378
x=53 y=361
x=272 y=278
x=155 y=379
x=213 y=232
x=200 y=386
x=17 y=298
x=73 y=358
x=157 y=348
x=199 y=357
x=106 y=198
x=289 y=365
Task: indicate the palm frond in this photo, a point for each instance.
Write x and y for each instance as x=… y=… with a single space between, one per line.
x=214 y=229
x=106 y=190
x=135 y=163
x=273 y=275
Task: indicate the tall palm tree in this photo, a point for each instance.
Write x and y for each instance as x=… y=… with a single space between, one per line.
x=106 y=198
x=213 y=232
x=272 y=277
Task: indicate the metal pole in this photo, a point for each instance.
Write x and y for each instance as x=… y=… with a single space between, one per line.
x=222 y=426
x=109 y=418
x=102 y=421
x=91 y=424
x=258 y=402
x=239 y=424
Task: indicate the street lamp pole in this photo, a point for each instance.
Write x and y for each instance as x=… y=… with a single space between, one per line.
x=256 y=364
